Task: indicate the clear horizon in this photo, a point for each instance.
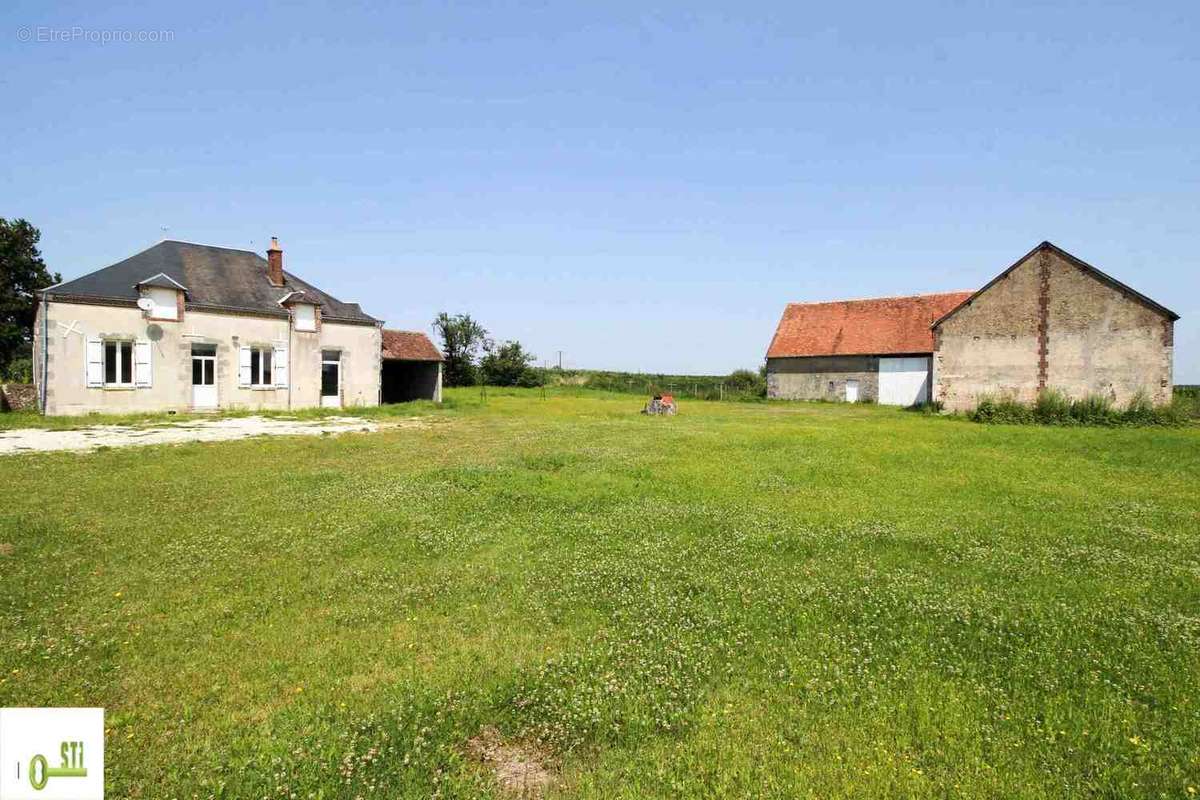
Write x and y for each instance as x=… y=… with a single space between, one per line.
x=643 y=189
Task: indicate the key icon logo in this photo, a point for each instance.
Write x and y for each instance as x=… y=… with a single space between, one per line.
x=72 y=766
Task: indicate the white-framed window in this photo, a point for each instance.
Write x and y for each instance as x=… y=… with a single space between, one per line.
x=304 y=317
x=262 y=366
x=118 y=363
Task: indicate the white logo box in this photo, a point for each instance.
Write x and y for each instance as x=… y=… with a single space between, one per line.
x=60 y=749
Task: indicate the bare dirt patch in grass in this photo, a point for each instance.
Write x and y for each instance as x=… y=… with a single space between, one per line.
x=7 y=549
x=519 y=768
x=25 y=440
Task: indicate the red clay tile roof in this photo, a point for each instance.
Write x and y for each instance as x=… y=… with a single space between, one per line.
x=861 y=327
x=409 y=346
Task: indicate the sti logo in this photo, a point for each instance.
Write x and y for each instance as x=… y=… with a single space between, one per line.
x=51 y=754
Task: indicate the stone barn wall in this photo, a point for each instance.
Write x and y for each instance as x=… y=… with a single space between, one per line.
x=822 y=377
x=1050 y=323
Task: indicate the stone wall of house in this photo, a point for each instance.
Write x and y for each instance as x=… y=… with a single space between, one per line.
x=822 y=377
x=70 y=325
x=18 y=397
x=1052 y=324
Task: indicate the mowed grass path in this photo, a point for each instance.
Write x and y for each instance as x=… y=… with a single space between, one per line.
x=745 y=600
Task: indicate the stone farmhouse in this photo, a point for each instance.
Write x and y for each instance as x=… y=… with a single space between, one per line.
x=192 y=327
x=1050 y=321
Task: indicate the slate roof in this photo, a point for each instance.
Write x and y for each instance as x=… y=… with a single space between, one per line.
x=217 y=278
x=879 y=326
x=409 y=346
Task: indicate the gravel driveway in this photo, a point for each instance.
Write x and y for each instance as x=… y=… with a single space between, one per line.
x=32 y=440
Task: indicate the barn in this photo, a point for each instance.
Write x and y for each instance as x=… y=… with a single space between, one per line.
x=1049 y=321
x=412 y=367
x=877 y=350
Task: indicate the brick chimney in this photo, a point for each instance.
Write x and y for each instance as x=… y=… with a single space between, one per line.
x=275 y=263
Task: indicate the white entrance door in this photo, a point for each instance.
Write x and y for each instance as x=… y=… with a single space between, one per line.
x=204 y=376
x=904 y=381
x=851 y=391
x=331 y=379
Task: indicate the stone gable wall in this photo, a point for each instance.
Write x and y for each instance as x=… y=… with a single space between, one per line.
x=1051 y=324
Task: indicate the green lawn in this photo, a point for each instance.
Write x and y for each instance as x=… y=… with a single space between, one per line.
x=744 y=600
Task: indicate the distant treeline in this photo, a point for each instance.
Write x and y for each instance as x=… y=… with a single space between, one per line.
x=741 y=384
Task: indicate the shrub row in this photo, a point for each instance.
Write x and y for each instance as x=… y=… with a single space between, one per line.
x=740 y=385
x=1054 y=408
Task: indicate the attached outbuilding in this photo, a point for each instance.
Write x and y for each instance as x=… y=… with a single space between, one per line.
x=1049 y=321
x=412 y=367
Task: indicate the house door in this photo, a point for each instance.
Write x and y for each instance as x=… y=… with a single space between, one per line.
x=331 y=379
x=851 y=391
x=204 y=376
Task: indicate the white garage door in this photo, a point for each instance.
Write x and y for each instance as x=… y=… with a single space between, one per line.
x=904 y=381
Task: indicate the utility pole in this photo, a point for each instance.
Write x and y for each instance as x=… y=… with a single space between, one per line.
x=560 y=360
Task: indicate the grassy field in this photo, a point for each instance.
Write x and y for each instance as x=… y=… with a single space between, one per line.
x=745 y=600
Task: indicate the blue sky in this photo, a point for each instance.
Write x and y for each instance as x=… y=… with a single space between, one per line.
x=642 y=187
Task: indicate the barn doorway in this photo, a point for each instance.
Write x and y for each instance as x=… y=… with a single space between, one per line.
x=904 y=381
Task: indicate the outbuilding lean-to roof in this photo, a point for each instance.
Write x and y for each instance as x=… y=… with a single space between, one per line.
x=876 y=326
x=217 y=278
x=409 y=346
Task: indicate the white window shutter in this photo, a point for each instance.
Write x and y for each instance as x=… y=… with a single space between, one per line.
x=143 y=373
x=94 y=367
x=244 y=366
x=279 y=363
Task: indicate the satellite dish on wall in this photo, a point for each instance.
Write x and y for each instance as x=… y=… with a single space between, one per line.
x=145 y=304
x=154 y=332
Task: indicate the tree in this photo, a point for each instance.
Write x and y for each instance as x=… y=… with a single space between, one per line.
x=461 y=339
x=22 y=273
x=744 y=381
x=509 y=365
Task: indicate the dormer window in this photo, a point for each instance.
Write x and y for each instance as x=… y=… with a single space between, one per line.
x=305 y=310
x=304 y=316
x=165 y=303
x=162 y=297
